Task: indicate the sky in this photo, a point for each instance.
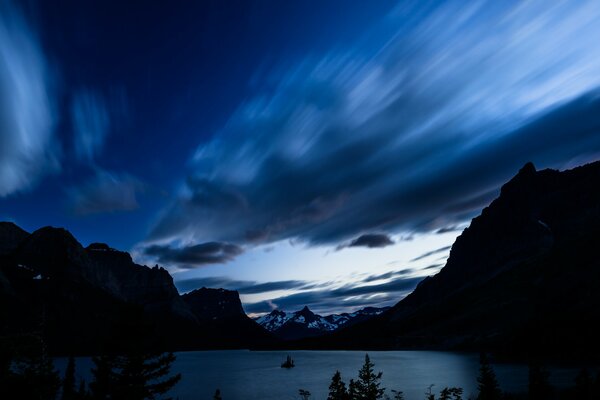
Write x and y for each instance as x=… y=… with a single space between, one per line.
x=301 y=152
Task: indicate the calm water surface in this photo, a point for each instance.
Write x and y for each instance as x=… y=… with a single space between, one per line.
x=257 y=375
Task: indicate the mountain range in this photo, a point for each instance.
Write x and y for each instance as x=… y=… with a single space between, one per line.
x=82 y=299
x=522 y=280
x=305 y=323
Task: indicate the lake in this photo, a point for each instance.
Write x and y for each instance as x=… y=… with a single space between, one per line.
x=257 y=375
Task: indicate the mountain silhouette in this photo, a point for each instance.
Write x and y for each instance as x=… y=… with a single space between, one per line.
x=521 y=280
x=81 y=298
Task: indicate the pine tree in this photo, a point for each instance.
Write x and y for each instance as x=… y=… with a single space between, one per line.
x=452 y=393
x=539 y=388
x=398 y=395
x=584 y=385
x=217 y=395
x=429 y=395
x=37 y=377
x=487 y=382
x=337 y=388
x=144 y=376
x=82 y=392
x=103 y=372
x=68 y=384
x=26 y=369
x=352 y=390
x=305 y=394
x=368 y=383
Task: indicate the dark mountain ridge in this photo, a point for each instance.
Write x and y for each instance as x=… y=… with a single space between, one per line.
x=522 y=279
x=81 y=298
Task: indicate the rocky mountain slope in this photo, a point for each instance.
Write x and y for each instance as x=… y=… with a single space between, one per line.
x=305 y=323
x=522 y=278
x=80 y=298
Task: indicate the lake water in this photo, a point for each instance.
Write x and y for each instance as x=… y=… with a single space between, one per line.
x=257 y=375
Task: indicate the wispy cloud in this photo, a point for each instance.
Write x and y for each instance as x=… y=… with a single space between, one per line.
x=370 y=240
x=105 y=192
x=243 y=287
x=91 y=123
x=414 y=131
x=193 y=256
x=28 y=148
x=342 y=298
x=431 y=253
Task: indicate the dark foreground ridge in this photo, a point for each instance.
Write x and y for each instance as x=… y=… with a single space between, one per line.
x=82 y=299
x=521 y=280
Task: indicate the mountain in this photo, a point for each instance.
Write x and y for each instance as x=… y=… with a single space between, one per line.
x=220 y=311
x=521 y=279
x=305 y=323
x=84 y=298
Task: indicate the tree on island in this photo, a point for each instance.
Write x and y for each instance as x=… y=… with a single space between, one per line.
x=487 y=382
x=398 y=395
x=368 y=383
x=337 y=388
x=305 y=394
x=217 y=395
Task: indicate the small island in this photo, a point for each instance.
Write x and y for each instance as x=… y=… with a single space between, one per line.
x=289 y=363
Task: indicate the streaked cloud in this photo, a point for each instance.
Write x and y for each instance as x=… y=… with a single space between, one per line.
x=370 y=240
x=410 y=131
x=91 y=123
x=28 y=148
x=106 y=192
x=441 y=250
x=243 y=287
x=340 y=299
x=194 y=255
x=94 y=116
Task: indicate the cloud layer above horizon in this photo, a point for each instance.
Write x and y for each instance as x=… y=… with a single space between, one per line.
x=413 y=130
x=28 y=147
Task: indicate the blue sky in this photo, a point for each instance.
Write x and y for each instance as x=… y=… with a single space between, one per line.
x=319 y=153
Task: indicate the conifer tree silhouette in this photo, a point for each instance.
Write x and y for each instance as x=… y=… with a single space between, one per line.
x=68 y=383
x=368 y=383
x=337 y=388
x=487 y=382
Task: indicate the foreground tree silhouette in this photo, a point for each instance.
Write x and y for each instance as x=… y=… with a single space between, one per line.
x=68 y=383
x=539 y=388
x=453 y=393
x=140 y=370
x=352 y=395
x=337 y=388
x=368 y=383
x=26 y=369
x=487 y=382
x=103 y=377
x=584 y=386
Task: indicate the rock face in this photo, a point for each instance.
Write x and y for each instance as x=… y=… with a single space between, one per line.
x=220 y=312
x=10 y=237
x=304 y=323
x=522 y=278
x=84 y=296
